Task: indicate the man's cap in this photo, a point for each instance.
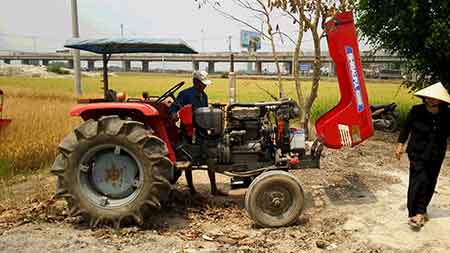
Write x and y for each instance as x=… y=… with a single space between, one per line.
x=202 y=76
x=436 y=91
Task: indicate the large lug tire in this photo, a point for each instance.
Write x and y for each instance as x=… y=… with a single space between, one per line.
x=112 y=171
x=275 y=199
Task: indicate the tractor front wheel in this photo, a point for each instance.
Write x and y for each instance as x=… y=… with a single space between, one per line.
x=274 y=199
x=112 y=171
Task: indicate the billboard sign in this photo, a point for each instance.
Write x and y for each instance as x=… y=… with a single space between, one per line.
x=305 y=66
x=250 y=39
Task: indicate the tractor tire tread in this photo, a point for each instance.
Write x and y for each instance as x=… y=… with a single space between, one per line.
x=159 y=170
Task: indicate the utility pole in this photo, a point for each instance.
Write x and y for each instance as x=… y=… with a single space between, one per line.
x=34 y=38
x=203 y=40
x=229 y=43
x=76 y=53
x=121 y=30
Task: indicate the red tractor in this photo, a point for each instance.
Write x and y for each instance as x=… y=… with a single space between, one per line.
x=3 y=122
x=117 y=166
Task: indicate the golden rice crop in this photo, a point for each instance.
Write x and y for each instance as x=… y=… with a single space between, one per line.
x=38 y=125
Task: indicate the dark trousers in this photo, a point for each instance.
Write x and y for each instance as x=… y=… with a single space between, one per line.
x=423 y=177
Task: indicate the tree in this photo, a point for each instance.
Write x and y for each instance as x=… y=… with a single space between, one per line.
x=418 y=31
x=308 y=14
x=261 y=10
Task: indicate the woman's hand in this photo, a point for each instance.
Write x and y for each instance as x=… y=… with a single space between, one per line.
x=399 y=151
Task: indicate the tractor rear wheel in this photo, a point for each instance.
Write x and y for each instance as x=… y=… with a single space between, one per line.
x=274 y=199
x=112 y=171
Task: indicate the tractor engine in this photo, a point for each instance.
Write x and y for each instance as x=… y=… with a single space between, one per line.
x=252 y=136
x=247 y=137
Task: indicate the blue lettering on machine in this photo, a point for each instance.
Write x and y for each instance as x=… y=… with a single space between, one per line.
x=355 y=78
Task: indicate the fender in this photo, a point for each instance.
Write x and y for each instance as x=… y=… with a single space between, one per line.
x=87 y=111
x=185 y=114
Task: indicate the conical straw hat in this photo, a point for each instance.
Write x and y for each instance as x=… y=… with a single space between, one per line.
x=436 y=91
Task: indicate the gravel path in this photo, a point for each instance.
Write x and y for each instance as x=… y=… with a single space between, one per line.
x=355 y=203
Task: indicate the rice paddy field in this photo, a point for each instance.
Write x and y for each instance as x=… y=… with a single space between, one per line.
x=40 y=108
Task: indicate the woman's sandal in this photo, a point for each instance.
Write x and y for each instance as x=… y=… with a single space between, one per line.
x=420 y=219
x=417 y=221
x=413 y=223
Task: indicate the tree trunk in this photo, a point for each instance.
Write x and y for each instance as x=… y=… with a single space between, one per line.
x=296 y=68
x=277 y=63
x=315 y=82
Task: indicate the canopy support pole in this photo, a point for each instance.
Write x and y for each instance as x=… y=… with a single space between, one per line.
x=76 y=53
x=105 y=74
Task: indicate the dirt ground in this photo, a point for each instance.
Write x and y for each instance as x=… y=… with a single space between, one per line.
x=355 y=203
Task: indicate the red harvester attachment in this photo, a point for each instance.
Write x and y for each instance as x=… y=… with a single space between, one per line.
x=349 y=123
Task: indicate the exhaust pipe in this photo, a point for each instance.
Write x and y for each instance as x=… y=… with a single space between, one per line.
x=232 y=82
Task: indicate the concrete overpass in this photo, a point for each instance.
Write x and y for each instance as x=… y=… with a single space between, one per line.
x=210 y=58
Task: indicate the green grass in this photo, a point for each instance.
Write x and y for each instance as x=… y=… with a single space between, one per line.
x=5 y=168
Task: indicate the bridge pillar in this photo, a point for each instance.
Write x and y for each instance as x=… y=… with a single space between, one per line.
x=25 y=62
x=258 y=67
x=144 y=66
x=7 y=61
x=91 y=65
x=195 y=65
x=288 y=66
x=331 y=69
x=211 y=67
x=45 y=62
x=126 y=66
x=70 y=64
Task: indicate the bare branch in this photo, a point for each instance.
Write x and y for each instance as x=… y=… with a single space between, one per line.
x=266 y=12
x=324 y=34
x=229 y=16
x=317 y=11
x=288 y=13
x=247 y=5
x=285 y=35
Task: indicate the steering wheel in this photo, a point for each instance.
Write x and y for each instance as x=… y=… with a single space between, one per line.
x=169 y=93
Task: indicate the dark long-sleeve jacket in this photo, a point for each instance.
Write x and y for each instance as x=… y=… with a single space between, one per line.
x=428 y=133
x=190 y=96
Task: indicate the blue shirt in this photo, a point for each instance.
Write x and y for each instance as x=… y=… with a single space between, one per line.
x=190 y=96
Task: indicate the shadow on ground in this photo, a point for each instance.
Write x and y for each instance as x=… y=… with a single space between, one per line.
x=351 y=190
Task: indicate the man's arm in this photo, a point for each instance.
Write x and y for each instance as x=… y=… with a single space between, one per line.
x=206 y=100
x=178 y=103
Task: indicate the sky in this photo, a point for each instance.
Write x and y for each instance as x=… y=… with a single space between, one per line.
x=44 y=25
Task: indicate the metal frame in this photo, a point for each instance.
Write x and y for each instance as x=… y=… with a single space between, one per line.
x=106 y=58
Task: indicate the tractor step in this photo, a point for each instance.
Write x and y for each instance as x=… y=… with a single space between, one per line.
x=182 y=165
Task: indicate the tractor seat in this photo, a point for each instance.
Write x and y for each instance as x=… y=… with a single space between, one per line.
x=114 y=96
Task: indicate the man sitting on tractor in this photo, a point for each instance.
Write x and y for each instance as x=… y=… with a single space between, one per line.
x=195 y=96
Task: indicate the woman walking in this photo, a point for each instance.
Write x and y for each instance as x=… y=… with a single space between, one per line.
x=428 y=128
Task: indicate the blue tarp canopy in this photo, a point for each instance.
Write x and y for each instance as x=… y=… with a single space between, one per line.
x=130 y=45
